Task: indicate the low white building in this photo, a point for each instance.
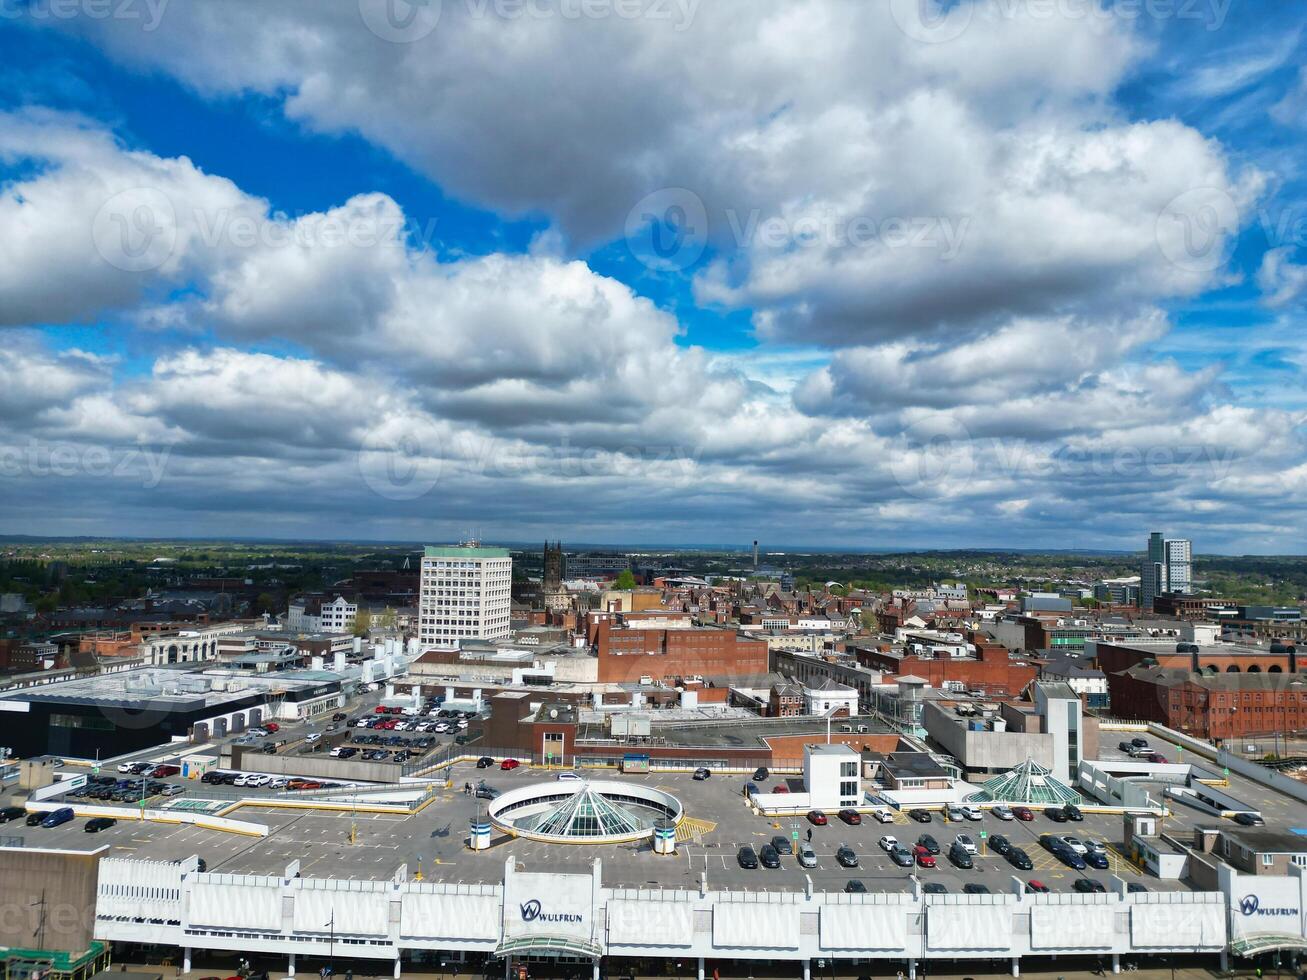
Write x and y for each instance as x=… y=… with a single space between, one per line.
x=828 y=697
x=832 y=775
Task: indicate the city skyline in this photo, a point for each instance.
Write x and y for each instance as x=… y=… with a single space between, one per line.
x=991 y=275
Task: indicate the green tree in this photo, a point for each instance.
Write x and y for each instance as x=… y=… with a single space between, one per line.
x=625 y=581
x=362 y=622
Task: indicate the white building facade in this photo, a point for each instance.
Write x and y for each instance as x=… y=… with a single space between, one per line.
x=466 y=593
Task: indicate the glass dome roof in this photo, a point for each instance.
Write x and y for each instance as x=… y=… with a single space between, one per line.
x=587 y=814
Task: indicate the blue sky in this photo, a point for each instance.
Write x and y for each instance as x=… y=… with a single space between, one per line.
x=1001 y=273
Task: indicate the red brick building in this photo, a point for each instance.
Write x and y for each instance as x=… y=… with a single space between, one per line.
x=992 y=670
x=627 y=653
x=1211 y=705
x=1225 y=658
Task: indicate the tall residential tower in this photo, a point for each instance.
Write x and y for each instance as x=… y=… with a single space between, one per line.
x=1167 y=568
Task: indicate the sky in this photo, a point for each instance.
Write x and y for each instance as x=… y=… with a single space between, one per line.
x=985 y=273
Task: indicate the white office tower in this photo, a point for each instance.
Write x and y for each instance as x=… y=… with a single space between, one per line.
x=1167 y=568
x=466 y=592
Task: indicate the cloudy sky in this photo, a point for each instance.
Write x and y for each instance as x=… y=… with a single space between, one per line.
x=1024 y=273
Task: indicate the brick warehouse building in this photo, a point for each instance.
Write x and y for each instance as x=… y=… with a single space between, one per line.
x=993 y=669
x=1113 y=657
x=627 y=653
x=1211 y=705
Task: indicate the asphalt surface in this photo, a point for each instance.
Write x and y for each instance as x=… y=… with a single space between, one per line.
x=719 y=822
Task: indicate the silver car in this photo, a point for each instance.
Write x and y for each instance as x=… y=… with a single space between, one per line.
x=807 y=857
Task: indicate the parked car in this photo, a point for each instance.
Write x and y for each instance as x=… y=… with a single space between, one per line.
x=484 y=792
x=1156 y=757
x=747 y=858
x=924 y=857
x=855 y=887
x=760 y=774
x=851 y=817
x=1070 y=858
x=965 y=842
x=312 y=737
x=1023 y=813
x=1124 y=746
x=702 y=773
x=817 y=818
x=1036 y=887
x=273 y=728
x=921 y=816
x=960 y=857
x=883 y=816
x=160 y=772
x=1075 y=844
x=56 y=817
x=1088 y=885
x=1072 y=812
x=1097 y=860
x=888 y=843
x=97 y=824
x=1002 y=811
x=934 y=888
x=782 y=844
x=565 y=776
x=807 y=857
x=975 y=888
x=780 y=788
x=847 y=856
x=34 y=819
x=508 y=765
x=1139 y=742
x=485 y=762
x=1000 y=844
x=1133 y=888
x=902 y=857
x=11 y=813
x=1056 y=814
x=1019 y=859
x=953 y=812
x=929 y=843
x=769 y=857
x=173 y=790
x=1249 y=820
x=972 y=813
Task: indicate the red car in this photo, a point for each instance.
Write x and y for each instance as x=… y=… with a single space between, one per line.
x=780 y=789
x=816 y=818
x=1023 y=813
x=852 y=817
x=380 y=709
x=508 y=764
x=1038 y=887
x=161 y=771
x=272 y=727
x=924 y=858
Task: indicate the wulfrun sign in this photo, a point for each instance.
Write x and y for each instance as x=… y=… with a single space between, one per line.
x=533 y=911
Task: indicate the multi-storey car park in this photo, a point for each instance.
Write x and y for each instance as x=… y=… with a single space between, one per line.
x=296 y=881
